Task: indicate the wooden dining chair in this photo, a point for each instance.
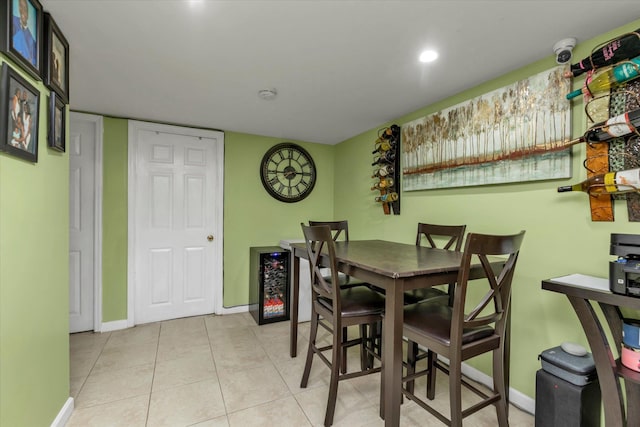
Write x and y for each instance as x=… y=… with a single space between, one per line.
x=334 y=309
x=449 y=237
x=340 y=232
x=460 y=334
x=339 y=229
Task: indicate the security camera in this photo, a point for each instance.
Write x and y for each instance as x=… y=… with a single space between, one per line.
x=563 y=49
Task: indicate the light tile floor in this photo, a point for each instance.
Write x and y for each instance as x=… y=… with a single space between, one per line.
x=214 y=371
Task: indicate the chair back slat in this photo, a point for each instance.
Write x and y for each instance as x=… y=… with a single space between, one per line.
x=455 y=233
x=493 y=295
x=496 y=299
x=338 y=228
x=434 y=233
x=318 y=239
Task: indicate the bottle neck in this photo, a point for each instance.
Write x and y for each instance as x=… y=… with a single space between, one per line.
x=565 y=188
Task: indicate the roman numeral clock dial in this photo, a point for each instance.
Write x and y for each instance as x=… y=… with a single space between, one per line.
x=287 y=172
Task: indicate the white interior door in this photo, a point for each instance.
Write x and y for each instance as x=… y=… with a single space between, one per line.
x=177 y=200
x=84 y=139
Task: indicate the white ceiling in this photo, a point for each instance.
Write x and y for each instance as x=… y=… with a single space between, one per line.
x=339 y=67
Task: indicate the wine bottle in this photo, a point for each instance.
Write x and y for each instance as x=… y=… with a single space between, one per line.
x=387 y=135
x=386 y=157
x=387 y=198
x=384 y=183
x=618 y=126
x=619 y=49
x=391 y=132
x=608 y=183
x=384 y=146
x=614 y=76
x=383 y=171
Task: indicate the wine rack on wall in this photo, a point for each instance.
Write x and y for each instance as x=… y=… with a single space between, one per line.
x=386 y=162
x=611 y=91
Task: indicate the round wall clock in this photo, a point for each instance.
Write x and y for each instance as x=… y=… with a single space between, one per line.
x=287 y=172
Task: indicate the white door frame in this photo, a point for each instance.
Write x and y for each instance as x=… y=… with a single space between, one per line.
x=97 y=223
x=135 y=126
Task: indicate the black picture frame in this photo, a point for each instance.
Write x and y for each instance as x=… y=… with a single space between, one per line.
x=20 y=43
x=56 y=136
x=19 y=115
x=56 y=59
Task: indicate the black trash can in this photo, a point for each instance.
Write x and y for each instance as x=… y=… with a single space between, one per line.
x=567 y=390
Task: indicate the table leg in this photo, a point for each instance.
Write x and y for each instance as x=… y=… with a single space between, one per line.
x=392 y=354
x=633 y=395
x=613 y=315
x=612 y=398
x=507 y=357
x=295 y=293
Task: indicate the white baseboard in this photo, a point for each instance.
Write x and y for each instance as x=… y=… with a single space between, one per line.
x=516 y=397
x=114 y=326
x=64 y=414
x=234 y=310
x=117 y=325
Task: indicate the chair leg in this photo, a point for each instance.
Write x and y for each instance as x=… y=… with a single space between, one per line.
x=375 y=342
x=382 y=392
x=345 y=338
x=455 y=391
x=432 y=358
x=499 y=387
x=364 y=355
x=312 y=341
x=336 y=363
x=450 y=291
x=378 y=329
x=412 y=353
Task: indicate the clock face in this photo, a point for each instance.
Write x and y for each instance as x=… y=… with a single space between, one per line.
x=287 y=172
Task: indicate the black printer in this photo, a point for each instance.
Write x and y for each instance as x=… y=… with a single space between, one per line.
x=624 y=273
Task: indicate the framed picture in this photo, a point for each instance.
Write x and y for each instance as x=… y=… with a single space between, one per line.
x=56 y=59
x=57 y=120
x=22 y=40
x=19 y=116
x=512 y=134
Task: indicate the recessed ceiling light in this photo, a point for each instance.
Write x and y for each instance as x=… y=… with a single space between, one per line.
x=428 y=56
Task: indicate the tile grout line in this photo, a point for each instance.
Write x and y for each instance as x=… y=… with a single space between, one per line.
x=92 y=366
x=153 y=376
x=215 y=368
x=294 y=394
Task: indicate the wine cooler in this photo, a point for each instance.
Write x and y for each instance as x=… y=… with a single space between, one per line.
x=269 y=279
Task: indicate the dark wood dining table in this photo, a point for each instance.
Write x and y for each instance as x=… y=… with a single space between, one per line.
x=394 y=267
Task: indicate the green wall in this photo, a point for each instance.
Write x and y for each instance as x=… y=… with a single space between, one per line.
x=561 y=238
x=34 y=282
x=114 y=220
x=252 y=217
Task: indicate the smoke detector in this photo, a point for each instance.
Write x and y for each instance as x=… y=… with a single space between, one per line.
x=267 y=94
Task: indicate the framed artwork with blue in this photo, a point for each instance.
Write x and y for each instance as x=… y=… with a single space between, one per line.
x=19 y=115
x=24 y=38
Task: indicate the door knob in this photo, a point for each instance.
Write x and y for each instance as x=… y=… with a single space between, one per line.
x=210 y=237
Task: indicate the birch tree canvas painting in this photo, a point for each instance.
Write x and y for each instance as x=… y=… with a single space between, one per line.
x=511 y=134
